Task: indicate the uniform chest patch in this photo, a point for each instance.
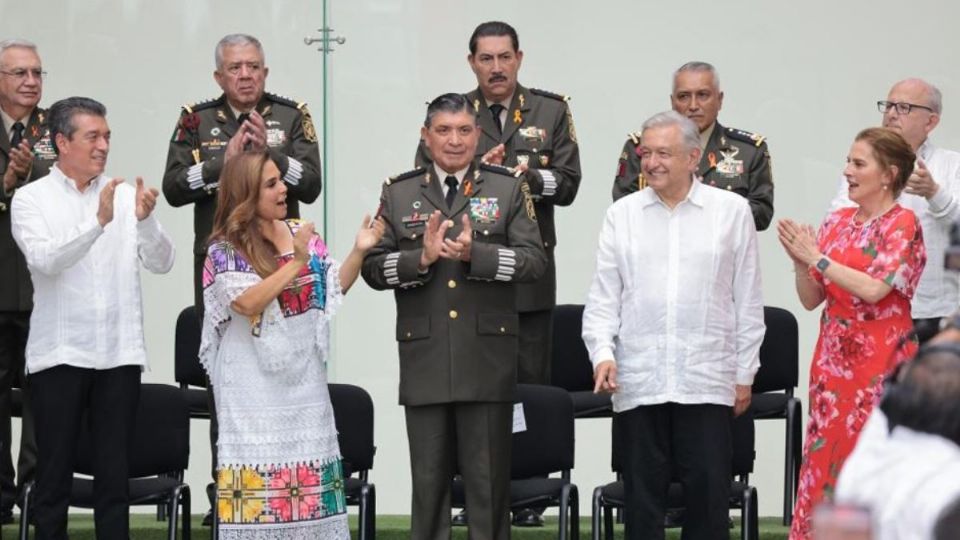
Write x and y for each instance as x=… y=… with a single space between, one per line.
x=484 y=209
x=276 y=137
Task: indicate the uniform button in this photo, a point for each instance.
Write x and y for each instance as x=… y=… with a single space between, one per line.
x=408 y=334
x=413 y=236
x=486 y=232
x=453 y=314
x=452 y=284
x=546 y=244
x=729 y=188
x=502 y=329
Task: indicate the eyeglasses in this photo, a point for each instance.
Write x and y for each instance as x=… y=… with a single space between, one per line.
x=902 y=106
x=21 y=74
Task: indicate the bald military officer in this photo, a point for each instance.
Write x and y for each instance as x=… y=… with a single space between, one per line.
x=459 y=235
x=732 y=159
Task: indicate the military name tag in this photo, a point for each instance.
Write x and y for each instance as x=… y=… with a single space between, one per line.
x=730 y=167
x=214 y=145
x=415 y=219
x=276 y=137
x=484 y=209
x=533 y=133
x=43 y=149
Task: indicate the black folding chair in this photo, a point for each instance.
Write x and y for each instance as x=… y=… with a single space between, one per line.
x=773 y=394
x=571 y=368
x=186 y=365
x=353 y=413
x=743 y=496
x=159 y=454
x=546 y=447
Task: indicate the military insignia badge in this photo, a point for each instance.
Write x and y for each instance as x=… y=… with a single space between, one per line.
x=521 y=99
x=517 y=117
x=43 y=148
x=730 y=166
x=523 y=160
x=528 y=201
x=544 y=160
x=416 y=205
x=214 y=132
x=415 y=219
x=309 y=132
x=276 y=137
x=40 y=118
x=476 y=105
x=221 y=116
x=484 y=209
x=533 y=133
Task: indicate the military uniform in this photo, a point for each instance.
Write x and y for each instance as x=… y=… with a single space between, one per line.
x=538 y=131
x=734 y=160
x=16 y=303
x=457 y=329
x=195 y=160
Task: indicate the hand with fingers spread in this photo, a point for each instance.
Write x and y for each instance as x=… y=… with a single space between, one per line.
x=257 y=130
x=370 y=233
x=921 y=182
x=799 y=241
x=146 y=200
x=21 y=159
x=495 y=155
x=433 y=236
x=105 y=209
x=458 y=249
x=605 y=377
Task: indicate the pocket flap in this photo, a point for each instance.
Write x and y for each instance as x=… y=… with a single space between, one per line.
x=497 y=324
x=411 y=328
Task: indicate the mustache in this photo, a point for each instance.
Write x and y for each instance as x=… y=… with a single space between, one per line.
x=497 y=78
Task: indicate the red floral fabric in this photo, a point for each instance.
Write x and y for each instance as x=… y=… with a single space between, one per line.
x=859 y=343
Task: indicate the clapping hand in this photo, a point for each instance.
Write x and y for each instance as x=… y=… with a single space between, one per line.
x=433 y=237
x=458 y=249
x=301 y=242
x=20 y=161
x=495 y=155
x=800 y=242
x=921 y=182
x=370 y=233
x=146 y=199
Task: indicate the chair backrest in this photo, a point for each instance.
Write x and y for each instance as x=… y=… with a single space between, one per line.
x=742 y=431
x=353 y=415
x=547 y=445
x=186 y=367
x=570 y=366
x=779 y=353
x=161 y=435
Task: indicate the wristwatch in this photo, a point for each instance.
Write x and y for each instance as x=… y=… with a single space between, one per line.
x=822 y=264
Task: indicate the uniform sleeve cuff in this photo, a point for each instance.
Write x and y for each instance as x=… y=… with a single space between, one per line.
x=294 y=172
x=195 y=176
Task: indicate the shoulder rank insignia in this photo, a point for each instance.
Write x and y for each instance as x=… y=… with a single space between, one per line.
x=550 y=95
x=201 y=105
x=499 y=169
x=565 y=100
x=276 y=98
x=745 y=136
x=309 y=132
x=403 y=176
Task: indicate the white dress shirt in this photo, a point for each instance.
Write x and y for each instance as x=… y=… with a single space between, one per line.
x=938 y=293
x=86 y=278
x=676 y=299
x=906 y=478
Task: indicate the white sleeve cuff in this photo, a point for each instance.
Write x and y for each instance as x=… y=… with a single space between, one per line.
x=602 y=354
x=940 y=200
x=195 y=176
x=549 y=183
x=294 y=172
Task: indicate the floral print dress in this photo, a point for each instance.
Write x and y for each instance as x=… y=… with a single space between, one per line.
x=859 y=343
x=279 y=469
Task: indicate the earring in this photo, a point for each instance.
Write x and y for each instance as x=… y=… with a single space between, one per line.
x=885 y=186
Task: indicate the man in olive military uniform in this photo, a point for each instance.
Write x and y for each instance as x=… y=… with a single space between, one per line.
x=26 y=154
x=458 y=235
x=243 y=117
x=532 y=131
x=733 y=159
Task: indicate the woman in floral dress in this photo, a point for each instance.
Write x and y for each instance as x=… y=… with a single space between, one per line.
x=270 y=288
x=865 y=263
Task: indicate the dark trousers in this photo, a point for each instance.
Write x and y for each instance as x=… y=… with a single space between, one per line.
x=689 y=442
x=60 y=396
x=534 y=347
x=14 y=326
x=926 y=328
x=477 y=436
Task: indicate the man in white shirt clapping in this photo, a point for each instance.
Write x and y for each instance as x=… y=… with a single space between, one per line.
x=84 y=236
x=673 y=323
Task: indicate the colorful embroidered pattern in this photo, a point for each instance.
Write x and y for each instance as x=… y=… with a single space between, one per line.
x=223 y=257
x=308 y=290
x=267 y=494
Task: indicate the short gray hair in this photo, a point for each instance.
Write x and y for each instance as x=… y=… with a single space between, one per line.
x=231 y=40
x=689 y=131
x=934 y=97
x=699 y=66
x=17 y=44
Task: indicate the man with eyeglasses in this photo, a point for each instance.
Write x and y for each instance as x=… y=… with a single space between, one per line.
x=912 y=108
x=26 y=153
x=732 y=159
x=244 y=117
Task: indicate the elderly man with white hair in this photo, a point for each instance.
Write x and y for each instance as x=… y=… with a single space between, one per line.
x=673 y=323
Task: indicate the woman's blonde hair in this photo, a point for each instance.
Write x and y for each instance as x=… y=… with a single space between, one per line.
x=236 y=219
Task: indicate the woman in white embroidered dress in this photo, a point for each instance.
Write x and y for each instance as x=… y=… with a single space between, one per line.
x=270 y=289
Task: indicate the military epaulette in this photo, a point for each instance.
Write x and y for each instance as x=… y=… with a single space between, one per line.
x=635 y=137
x=499 y=169
x=201 y=105
x=403 y=176
x=283 y=100
x=550 y=95
x=745 y=136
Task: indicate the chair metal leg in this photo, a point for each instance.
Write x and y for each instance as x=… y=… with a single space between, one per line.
x=792 y=477
x=25 y=512
x=185 y=505
x=574 y=513
x=596 y=514
x=564 y=517
x=749 y=522
x=368 y=513
x=170 y=511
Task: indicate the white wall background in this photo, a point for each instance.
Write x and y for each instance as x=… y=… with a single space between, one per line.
x=805 y=75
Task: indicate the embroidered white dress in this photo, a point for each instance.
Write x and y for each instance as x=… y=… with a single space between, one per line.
x=279 y=470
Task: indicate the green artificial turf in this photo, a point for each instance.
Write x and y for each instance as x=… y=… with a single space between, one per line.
x=146 y=527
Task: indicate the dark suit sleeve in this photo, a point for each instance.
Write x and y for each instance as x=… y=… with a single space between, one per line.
x=628 y=171
x=559 y=183
x=300 y=169
x=386 y=266
x=760 y=188
x=185 y=181
x=522 y=259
